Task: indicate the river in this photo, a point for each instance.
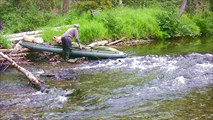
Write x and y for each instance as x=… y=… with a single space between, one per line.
x=162 y=80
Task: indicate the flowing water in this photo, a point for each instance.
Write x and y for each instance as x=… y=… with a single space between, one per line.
x=162 y=80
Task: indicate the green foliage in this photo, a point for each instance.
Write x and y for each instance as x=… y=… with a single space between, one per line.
x=168 y=23
x=152 y=3
x=112 y=24
x=96 y=4
x=4 y=43
x=131 y=23
x=172 y=26
x=204 y=21
x=187 y=27
x=49 y=33
x=23 y=16
x=91 y=31
x=85 y=6
x=211 y=5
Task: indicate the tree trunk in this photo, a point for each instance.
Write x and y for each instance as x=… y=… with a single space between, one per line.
x=211 y=5
x=183 y=7
x=120 y=2
x=39 y=85
x=65 y=6
x=1 y=25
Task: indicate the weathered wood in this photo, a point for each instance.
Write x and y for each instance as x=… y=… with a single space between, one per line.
x=20 y=63
x=115 y=42
x=38 y=84
x=16 y=48
x=98 y=43
x=18 y=55
x=37 y=33
x=183 y=7
x=10 y=50
x=13 y=58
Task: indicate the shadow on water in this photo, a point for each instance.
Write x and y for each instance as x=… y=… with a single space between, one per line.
x=172 y=80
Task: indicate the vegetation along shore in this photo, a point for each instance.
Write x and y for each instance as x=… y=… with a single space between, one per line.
x=134 y=19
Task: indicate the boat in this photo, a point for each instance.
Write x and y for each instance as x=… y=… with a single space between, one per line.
x=101 y=52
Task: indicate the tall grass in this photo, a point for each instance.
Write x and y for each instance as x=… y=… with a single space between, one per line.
x=140 y=23
x=137 y=23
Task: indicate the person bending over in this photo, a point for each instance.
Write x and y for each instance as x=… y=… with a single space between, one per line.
x=67 y=41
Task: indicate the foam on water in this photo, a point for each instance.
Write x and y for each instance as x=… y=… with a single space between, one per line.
x=174 y=76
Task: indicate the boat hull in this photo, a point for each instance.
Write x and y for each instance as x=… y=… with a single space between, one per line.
x=89 y=53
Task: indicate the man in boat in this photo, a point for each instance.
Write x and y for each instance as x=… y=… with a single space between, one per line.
x=67 y=41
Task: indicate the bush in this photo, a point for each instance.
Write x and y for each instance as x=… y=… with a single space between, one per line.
x=172 y=26
x=187 y=27
x=204 y=21
x=131 y=23
x=168 y=23
x=23 y=17
x=4 y=43
x=91 y=31
x=49 y=33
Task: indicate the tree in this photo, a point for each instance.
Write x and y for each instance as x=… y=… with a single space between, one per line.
x=211 y=5
x=120 y=2
x=1 y=25
x=65 y=6
x=183 y=7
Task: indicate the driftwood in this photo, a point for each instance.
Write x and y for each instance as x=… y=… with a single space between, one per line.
x=16 y=58
x=38 y=84
x=10 y=50
x=22 y=62
x=98 y=43
x=18 y=54
x=115 y=42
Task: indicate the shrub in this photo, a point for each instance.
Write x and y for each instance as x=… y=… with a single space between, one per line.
x=91 y=31
x=4 y=43
x=131 y=23
x=172 y=26
x=204 y=21
x=168 y=23
x=187 y=27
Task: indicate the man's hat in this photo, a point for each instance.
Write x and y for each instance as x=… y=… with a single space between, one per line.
x=76 y=25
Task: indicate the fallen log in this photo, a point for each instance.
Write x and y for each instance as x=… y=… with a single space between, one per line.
x=98 y=43
x=115 y=42
x=20 y=63
x=37 y=83
x=18 y=55
x=13 y=58
x=10 y=50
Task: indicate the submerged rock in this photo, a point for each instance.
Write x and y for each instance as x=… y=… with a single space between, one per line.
x=65 y=74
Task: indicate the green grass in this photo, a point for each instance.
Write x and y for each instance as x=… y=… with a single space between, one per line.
x=4 y=43
x=131 y=23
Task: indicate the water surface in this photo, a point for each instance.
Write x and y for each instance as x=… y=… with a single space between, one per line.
x=162 y=80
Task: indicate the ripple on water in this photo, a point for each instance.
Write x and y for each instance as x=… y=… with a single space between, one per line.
x=135 y=87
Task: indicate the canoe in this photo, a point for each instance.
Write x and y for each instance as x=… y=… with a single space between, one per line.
x=89 y=53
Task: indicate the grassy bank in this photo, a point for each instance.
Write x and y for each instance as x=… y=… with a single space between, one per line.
x=140 y=23
x=146 y=23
